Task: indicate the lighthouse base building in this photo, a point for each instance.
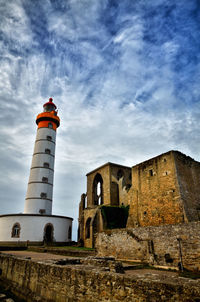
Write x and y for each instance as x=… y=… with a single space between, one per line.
x=37 y=224
x=35 y=229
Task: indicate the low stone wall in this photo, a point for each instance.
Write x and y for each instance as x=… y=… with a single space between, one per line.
x=68 y=283
x=154 y=245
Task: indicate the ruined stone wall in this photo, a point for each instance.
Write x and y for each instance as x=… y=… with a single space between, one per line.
x=188 y=173
x=155 y=193
x=123 y=183
x=155 y=245
x=36 y=281
x=104 y=171
x=96 y=225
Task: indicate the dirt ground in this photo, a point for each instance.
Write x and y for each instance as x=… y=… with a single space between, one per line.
x=35 y=256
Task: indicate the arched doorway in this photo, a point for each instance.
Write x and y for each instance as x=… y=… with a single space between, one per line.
x=48 y=233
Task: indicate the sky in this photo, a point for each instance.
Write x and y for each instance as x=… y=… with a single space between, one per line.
x=124 y=75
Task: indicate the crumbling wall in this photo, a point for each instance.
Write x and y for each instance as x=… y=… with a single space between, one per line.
x=104 y=171
x=155 y=245
x=57 y=283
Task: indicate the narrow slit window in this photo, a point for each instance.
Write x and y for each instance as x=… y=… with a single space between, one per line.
x=151 y=172
x=46 y=165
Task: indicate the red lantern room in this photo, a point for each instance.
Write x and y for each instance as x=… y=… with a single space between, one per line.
x=48 y=116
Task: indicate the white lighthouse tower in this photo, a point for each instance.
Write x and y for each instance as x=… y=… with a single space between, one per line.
x=37 y=224
x=40 y=186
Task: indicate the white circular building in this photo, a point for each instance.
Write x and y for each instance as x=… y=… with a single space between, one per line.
x=37 y=224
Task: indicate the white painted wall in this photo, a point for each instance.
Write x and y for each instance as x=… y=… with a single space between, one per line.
x=37 y=174
x=43 y=132
x=35 y=205
x=32 y=227
x=34 y=202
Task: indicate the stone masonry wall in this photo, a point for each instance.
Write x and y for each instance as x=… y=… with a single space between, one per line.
x=73 y=283
x=188 y=173
x=154 y=197
x=155 y=245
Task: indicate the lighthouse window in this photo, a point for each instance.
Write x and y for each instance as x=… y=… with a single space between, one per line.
x=50 y=125
x=44 y=179
x=46 y=165
x=16 y=230
x=43 y=195
x=42 y=211
x=48 y=151
x=49 y=138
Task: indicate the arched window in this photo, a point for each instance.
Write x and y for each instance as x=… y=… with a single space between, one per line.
x=70 y=233
x=16 y=230
x=87 y=228
x=98 y=190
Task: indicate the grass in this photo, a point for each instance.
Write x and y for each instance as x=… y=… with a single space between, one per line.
x=63 y=248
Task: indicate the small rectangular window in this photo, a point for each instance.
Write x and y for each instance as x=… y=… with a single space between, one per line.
x=46 y=165
x=49 y=138
x=42 y=211
x=43 y=195
x=44 y=179
x=47 y=151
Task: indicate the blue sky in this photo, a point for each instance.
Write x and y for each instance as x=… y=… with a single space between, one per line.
x=124 y=75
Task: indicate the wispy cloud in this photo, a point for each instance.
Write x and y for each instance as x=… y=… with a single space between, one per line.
x=125 y=76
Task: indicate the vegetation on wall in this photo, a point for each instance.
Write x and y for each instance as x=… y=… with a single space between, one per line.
x=115 y=217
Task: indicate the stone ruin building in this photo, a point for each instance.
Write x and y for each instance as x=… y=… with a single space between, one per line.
x=163 y=190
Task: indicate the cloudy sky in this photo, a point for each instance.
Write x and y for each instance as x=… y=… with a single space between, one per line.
x=124 y=75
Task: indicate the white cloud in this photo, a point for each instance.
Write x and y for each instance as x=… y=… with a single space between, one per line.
x=117 y=94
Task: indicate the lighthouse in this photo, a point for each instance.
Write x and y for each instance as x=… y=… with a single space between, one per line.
x=37 y=225
x=39 y=195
